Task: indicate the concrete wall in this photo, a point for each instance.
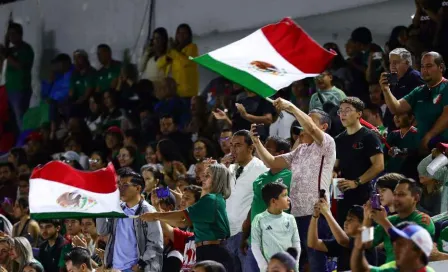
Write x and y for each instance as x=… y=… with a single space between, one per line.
x=54 y=26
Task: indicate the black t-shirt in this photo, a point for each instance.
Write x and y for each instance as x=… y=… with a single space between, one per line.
x=354 y=152
x=257 y=106
x=49 y=255
x=343 y=254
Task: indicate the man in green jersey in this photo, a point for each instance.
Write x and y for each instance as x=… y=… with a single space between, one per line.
x=412 y=246
x=83 y=80
x=20 y=59
x=429 y=102
x=406 y=196
x=276 y=146
x=110 y=70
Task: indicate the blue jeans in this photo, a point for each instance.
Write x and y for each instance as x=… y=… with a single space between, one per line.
x=19 y=102
x=317 y=260
x=250 y=264
x=233 y=246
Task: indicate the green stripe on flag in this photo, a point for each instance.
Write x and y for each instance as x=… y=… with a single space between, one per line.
x=75 y=215
x=243 y=78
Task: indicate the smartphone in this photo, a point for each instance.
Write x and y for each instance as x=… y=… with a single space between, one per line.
x=392 y=78
x=162 y=192
x=259 y=129
x=322 y=193
x=375 y=202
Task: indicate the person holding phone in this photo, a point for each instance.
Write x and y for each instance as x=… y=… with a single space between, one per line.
x=342 y=244
x=429 y=102
x=208 y=217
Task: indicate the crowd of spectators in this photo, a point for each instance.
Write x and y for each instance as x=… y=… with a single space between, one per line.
x=223 y=180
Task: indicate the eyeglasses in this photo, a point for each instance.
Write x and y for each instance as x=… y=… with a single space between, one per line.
x=94 y=161
x=345 y=112
x=125 y=185
x=123 y=156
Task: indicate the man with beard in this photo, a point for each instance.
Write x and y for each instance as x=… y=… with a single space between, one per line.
x=50 y=249
x=429 y=102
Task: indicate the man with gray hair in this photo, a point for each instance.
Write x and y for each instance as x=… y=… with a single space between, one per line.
x=428 y=102
x=400 y=62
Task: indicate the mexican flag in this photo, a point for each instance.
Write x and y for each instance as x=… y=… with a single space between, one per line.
x=269 y=59
x=58 y=191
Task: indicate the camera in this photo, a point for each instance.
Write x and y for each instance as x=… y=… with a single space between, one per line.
x=259 y=129
x=322 y=193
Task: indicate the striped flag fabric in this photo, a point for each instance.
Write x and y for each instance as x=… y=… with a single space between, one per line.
x=269 y=59
x=58 y=191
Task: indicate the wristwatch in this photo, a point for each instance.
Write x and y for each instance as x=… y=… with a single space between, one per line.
x=358 y=182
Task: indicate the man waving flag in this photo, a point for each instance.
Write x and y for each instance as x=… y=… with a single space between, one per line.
x=57 y=191
x=269 y=59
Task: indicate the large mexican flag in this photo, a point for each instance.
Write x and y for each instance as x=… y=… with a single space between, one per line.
x=269 y=59
x=58 y=191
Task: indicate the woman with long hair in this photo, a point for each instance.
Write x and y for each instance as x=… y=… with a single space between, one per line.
x=202 y=149
x=26 y=227
x=183 y=70
x=21 y=254
x=208 y=216
x=154 y=64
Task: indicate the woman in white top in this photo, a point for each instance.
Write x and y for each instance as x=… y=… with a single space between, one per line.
x=152 y=65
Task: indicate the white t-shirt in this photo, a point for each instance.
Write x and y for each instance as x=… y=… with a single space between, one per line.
x=282 y=126
x=240 y=200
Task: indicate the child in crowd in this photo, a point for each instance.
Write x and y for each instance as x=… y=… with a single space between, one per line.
x=273 y=231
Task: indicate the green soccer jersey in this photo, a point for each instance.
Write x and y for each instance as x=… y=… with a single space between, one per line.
x=417 y=217
x=80 y=83
x=209 y=218
x=408 y=140
x=258 y=205
x=392 y=267
x=427 y=105
x=19 y=79
x=105 y=76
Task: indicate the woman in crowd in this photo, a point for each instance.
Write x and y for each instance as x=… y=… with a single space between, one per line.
x=24 y=186
x=208 y=217
x=21 y=254
x=150 y=154
x=127 y=157
x=154 y=64
x=26 y=227
x=202 y=149
x=114 y=141
x=5 y=249
x=183 y=70
x=301 y=96
x=153 y=177
x=97 y=160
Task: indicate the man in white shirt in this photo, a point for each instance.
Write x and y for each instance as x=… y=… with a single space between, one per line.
x=245 y=170
x=311 y=164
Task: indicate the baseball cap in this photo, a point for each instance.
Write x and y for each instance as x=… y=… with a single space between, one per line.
x=114 y=129
x=416 y=234
x=34 y=136
x=71 y=156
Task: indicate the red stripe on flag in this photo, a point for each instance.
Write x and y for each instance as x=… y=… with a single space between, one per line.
x=297 y=47
x=102 y=181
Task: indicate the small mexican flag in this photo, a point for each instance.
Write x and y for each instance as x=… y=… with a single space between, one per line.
x=269 y=59
x=58 y=191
